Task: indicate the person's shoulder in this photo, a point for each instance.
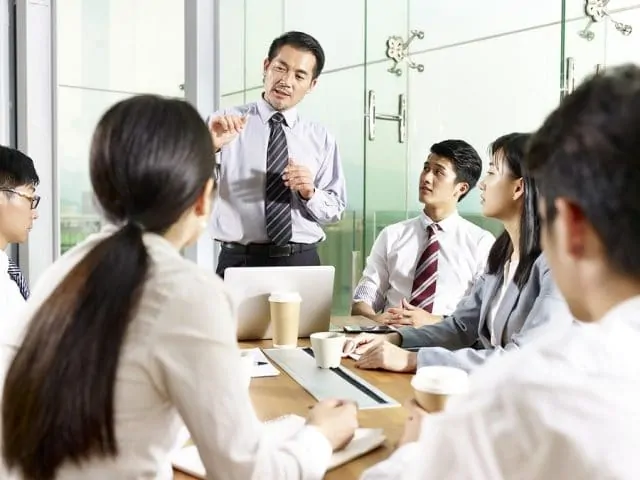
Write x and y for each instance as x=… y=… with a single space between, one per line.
x=518 y=376
x=474 y=231
x=397 y=229
x=187 y=280
x=541 y=264
x=188 y=298
x=316 y=130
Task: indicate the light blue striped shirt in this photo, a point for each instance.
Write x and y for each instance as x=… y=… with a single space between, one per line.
x=239 y=211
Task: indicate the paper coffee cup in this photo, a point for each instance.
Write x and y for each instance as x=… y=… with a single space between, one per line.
x=433 y=386
x=285 y=318
x=327 y=348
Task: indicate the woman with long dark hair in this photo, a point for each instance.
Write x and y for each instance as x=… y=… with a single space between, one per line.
x=506 y=306
x=126 y=339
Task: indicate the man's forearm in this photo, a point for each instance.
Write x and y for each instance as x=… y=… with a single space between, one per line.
x=363 y=309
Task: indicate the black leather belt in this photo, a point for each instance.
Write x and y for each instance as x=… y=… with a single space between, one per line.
x=268 y=249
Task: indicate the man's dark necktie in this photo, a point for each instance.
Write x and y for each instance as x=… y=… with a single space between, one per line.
x=16 y=276
x=278 y=195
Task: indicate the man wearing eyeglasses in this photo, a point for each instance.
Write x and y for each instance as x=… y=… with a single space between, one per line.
x=18 y=210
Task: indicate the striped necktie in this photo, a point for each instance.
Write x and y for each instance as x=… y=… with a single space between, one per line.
x=16 y=276
x=423 y=292
x=278 y=196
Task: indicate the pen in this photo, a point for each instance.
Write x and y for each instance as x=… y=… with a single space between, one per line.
x=261 y=363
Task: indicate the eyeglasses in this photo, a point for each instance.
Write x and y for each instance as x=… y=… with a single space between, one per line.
x=35 y=199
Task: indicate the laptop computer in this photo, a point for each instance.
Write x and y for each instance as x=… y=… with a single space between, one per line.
x=250 y=288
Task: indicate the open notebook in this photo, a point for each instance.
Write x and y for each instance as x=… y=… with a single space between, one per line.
x=365 y=440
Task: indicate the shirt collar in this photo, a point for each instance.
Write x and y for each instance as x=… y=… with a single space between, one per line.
x=266 y=111
x=446 y=225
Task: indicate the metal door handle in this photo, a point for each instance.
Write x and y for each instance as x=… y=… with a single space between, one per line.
x=569 y=81
x=355 y=269
x=400 y=117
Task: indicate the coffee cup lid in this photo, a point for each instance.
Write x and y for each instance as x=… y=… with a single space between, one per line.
x=441 y=380
x=285 y=297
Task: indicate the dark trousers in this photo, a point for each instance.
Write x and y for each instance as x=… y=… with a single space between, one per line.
x=232 y=259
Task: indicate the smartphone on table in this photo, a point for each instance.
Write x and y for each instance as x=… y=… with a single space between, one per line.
x=368 y=329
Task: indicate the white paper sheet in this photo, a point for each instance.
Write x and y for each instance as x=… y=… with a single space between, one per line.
x=365 y=440
x=262 y=367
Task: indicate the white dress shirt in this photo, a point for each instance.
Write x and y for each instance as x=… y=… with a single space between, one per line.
x=391 y=265
x=239 y=211
x=180 y=362
x=11 y=301
x=566 y=407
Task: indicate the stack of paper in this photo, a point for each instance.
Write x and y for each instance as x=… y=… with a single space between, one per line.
x=365 y=440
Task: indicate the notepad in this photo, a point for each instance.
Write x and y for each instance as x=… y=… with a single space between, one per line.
x=262 y=366
x=365 y=440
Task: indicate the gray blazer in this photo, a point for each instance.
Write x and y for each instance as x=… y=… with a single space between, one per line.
x=463 y=338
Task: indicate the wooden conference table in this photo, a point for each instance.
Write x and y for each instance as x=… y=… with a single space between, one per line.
x=275 y=396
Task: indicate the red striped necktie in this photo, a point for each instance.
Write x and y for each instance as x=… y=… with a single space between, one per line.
x=423 y=292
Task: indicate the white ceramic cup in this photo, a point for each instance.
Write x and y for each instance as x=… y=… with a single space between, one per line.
x=327 y=348
x=285 y=318
x=247 y=364
x=434 y=385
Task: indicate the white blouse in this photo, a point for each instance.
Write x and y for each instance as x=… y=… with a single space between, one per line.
x=509 y=272
x=180 y=362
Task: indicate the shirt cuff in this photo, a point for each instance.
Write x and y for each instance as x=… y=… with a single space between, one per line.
x=393 y=467
x=319 y=451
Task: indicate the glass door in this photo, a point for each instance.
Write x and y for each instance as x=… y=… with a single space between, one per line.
x=599 y=34
x=386 y=128
x=106 y=52
x=487 y=71
x=622 y=43
x=583 y=41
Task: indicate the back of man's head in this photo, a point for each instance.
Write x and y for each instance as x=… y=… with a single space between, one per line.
x=16 y=169
x=588 y=152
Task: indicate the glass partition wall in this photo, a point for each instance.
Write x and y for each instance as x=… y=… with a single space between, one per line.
x=598 y=33
x=107 y=50
x=400 y=76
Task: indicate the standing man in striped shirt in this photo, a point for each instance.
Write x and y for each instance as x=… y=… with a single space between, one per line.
x=280 y=176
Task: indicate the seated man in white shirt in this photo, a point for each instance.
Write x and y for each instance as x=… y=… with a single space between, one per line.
x=431 y=260
x=18 y=210
x=568 y=406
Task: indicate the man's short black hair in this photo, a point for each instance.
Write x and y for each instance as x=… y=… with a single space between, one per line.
x=16 y=169
x=466 y=162
x=299 y=41
x=588 y=151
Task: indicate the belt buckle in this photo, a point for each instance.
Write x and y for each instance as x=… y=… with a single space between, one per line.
x=276 y=251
